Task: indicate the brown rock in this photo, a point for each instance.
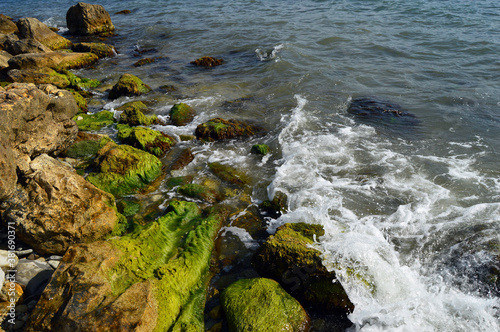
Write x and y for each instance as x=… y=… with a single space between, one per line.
x=6 y=25
x=207 y=61
x=43 y=75
x=31 y=45
x=8 y=176
x=33 y=28
x=87 y=19
x=54 y=60
x=100 y=49
x=4 y=59
x=57 y=208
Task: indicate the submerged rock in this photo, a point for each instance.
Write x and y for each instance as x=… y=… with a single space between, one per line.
x=275 y=207
x=94 y=121
x=128 y=85
x=288 y=258
x=152 y=141
x=154 y=279
x=181 y=114
x=261 y=304
x=200 y=192
x=87 y=19
x=262 y=149
x=230 y=174
x=33 y=28
x=124 y=169
x=207 y=61
x=219 y=129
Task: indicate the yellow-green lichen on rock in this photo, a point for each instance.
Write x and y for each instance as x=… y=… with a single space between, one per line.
x=94 y=121
x=128 y=85
x=124 y=169
x=181 y=114
x=150 y=140
x=134 y=117
x=261 y=304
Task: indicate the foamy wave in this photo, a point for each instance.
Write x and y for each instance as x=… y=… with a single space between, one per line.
x=263 y=55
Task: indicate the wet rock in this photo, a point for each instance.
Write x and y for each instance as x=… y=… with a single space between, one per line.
x=123 y=12
x=46 y=219
x=124 y=169
x=7 y=26
x=152 y=279
x=262 y=149
x=207 y=61
x=152 y=141
x=201 y=192
x=133 y=106
x=100 y=49
x=128 y=85
x=55 y=60
x=261 y=304
x=134 y=117
x=219 y=129
x=30 y=45
x=229 y=174
x=42 y=75
x=182 y=160
x=181 y=114
x=87 y=19
x=86 y=148
x=33 y=28
x=275 y=207
x=144 y=61
x=288 y=258
x=94 y=121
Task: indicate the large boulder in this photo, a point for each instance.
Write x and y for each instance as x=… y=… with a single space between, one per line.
x=287 y=257
x=150 y=140
x=4 y=59
x=261 y=304
x=128 y=85
x=154 y=279
x=42 y=75
x=57 y=208
x=87 y=19
x=30 y=45
x=181 y=114
x=134 y=117
x=55 y=60
x=7 y=26
x=32 y=28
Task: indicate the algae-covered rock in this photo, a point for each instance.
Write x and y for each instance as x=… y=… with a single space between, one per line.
x=154 y=279
x=42 y=75
x=275 y=207
x=124 y=169
x=80 y=101
x=87 y=148
x=128 y=208
x=200 y=192
x=288 y=258
x=133 y=106
x=261 y=304
x=100 y=49
x=94 y=121
x=181 y=114
x=134 y=117
x=152 y=141
x=55 y=60
x=128 y=85
x=218 y=129
x=144 y=61
x=262 y=149
x=229 y=174
x=80 y=83
x=207 y=61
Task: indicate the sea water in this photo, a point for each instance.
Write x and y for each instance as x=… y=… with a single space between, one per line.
x=412 y=216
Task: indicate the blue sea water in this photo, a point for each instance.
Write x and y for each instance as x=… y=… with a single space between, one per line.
x=415 y=212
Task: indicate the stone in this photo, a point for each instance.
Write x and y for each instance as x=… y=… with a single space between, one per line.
x=275 y=207
x=143 y=62
x=153 y=279
x=57 y=208
x=261 y=304
x=7 y=26
x=55 y=60
x=123 y=12
x=181 y=114
x=8 y=175
x=219 y=129
x=85 y=147
x=94 y=121
x=128 y=85
x=152 y=141
x=124 y=169
x=8 y=260
x=29 y=45
x=207 y=62
x=134 y=117
x=200 y=192
x=229 y=174
x=100 y=49
x=288 y=258
x=87 y=19
x=4 y=59
x=133 y=106
x=44 y=75
x=33 y=28
x=34 y=275
x=261 y=149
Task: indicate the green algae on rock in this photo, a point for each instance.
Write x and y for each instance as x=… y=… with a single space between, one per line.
x=277 y=206
x=181 y=114
x=207 y=61
x=219 y=129
x=134 y=117
x=94 y=121
x=261 y=304
x=80 y=83
x=144 y=61
x=150 y=140
x=200 y=192
x=124 y=169
x=133 y=106
x=102 y=50
x=262 y=149
x=128 y=85
x=80 y=101
x=86 y=149
x=288 y=258
x=42 y=75
x=229 y=174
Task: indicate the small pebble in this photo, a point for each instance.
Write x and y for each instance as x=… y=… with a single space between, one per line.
x=54 y=258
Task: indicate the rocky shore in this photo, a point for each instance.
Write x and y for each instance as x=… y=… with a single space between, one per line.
x=90 y=249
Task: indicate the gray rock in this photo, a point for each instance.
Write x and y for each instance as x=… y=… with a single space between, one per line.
x=34 y=275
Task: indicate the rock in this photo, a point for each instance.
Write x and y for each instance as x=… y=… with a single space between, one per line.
x=182 y=159
x=219 y=129
x=133 y=106
x=181 y=114
x=94 y=121
x=128 y=85
x=4 y=59
x=275 y=207
x=37 y=120
x=87 y=19
x=57 y=208
x=123 y=12
x=262 y=149
x=34 y=275
x=100 y=49
x=152 y=279
x=8 y=260
x=288 y=258
x=200 y=192
x=55 y=60
x=124 y=169
x=42 y=75
x=80 y=101
x=152 y=141
x=22 y=46
x=207 y=61
x=80 y=83
x=33 y=28
x=8 y=175
x=134 y=117
x=87 y=148
x=230 y=174
x=144 y=61
x=7 y=26
x=10 y=291
x=261 y=304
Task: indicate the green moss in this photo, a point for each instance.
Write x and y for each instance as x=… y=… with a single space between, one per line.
x=124 y=169
x=277 y=206
x=220 y=129
x=80 y=83
x=86 y=149
x=128 y=208
x=4 y=84
x=179 y=181
x=181 y=114
x=198 y=191
x=261 y=304
x=94 y=121
x=144 y=61
x=229 y=174
x=262 y=149
x=84 y=60
x=133 y=106
x=128 y=85
x=134 y=117
x=152 y=141
x=80 y=101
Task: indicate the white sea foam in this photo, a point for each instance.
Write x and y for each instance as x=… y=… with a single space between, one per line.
x=263 y=55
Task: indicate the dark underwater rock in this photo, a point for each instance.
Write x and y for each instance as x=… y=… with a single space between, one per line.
x=207 y=61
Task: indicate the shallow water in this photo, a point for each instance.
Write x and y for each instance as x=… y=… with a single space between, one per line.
x=417 y=217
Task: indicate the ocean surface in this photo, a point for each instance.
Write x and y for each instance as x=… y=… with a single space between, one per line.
x=414 y=210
